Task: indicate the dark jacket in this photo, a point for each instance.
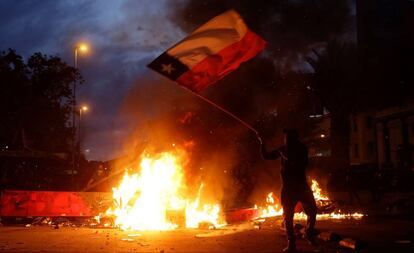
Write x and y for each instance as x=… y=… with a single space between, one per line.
x=294 y=160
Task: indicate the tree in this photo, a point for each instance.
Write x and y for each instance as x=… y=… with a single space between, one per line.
x=14 y=80
x=35 y=102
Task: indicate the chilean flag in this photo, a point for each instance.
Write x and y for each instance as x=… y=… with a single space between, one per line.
x=209 y=53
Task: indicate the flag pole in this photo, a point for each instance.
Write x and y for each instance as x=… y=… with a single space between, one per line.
x=223 y=110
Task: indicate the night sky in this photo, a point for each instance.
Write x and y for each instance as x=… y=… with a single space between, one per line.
x=124 y=36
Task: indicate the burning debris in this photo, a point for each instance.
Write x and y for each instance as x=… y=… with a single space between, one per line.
x=350 y=243
x=326 y=208
x=157 y=198
x=58 y=222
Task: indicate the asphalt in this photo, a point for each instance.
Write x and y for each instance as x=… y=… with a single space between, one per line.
x=376 y=233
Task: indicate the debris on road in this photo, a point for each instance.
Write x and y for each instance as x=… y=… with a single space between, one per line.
x=134 y=235
x=403 y=241
x=329 y=236
x=350 y=243
x=228 y=230
x=206 y=225
x=127 y=240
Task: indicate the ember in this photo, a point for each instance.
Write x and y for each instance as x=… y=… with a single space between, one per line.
x=143 y=199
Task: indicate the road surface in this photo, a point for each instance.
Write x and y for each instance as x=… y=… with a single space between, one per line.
x=379 y=235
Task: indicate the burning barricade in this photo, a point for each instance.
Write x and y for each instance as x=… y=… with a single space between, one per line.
x=326 y=208
x=157 y=198
x=155 y=195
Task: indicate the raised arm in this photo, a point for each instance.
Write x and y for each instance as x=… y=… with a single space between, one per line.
x=268 y=155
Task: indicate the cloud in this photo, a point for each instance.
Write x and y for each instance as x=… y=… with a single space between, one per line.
x=124 y=37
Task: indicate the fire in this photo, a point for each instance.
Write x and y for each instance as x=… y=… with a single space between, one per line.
x=209 y=213
x=273 y=209
x=317 y=192
x=143 y=199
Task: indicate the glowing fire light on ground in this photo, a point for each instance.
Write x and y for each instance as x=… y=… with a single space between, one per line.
x=273 y=209
x=143 y=199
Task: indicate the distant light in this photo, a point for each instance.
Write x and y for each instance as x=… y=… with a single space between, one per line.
x=84 y=108
x=83 y=47
x=173 y=144
x=315 y=116
x=322 y=136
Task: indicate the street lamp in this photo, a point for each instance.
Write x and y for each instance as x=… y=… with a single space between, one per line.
x=82 y=109
x=81 y=47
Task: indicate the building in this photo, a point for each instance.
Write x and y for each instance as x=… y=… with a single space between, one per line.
x=395 y=136
x=362 y=148
x=383 y=138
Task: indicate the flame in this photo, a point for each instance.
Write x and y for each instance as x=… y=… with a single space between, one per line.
x=144 y=198
x=317 y=192
x=273 y=209
x=208 y=213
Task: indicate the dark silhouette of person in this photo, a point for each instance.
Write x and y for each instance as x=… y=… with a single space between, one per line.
x=294 y=160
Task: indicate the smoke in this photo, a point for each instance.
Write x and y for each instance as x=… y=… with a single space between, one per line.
x=265 y=92
x=223 y=154
x=291 y=27
x=126 y=35
x=164 y=117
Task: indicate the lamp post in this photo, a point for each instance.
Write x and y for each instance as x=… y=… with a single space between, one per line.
x=82 y=110
x=79 y=48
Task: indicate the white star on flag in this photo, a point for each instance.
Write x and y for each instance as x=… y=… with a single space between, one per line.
x=167 y=68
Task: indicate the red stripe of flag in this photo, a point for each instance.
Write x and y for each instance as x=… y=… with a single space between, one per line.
x=209 y=53
x=216 y=66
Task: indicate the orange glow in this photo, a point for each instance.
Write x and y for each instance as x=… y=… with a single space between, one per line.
x=144 y=198
x=82 y=47
x=84 y=108
x=317 y=192
x=273 y=209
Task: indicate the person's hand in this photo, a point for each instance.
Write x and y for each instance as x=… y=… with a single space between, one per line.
x=259 y=138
